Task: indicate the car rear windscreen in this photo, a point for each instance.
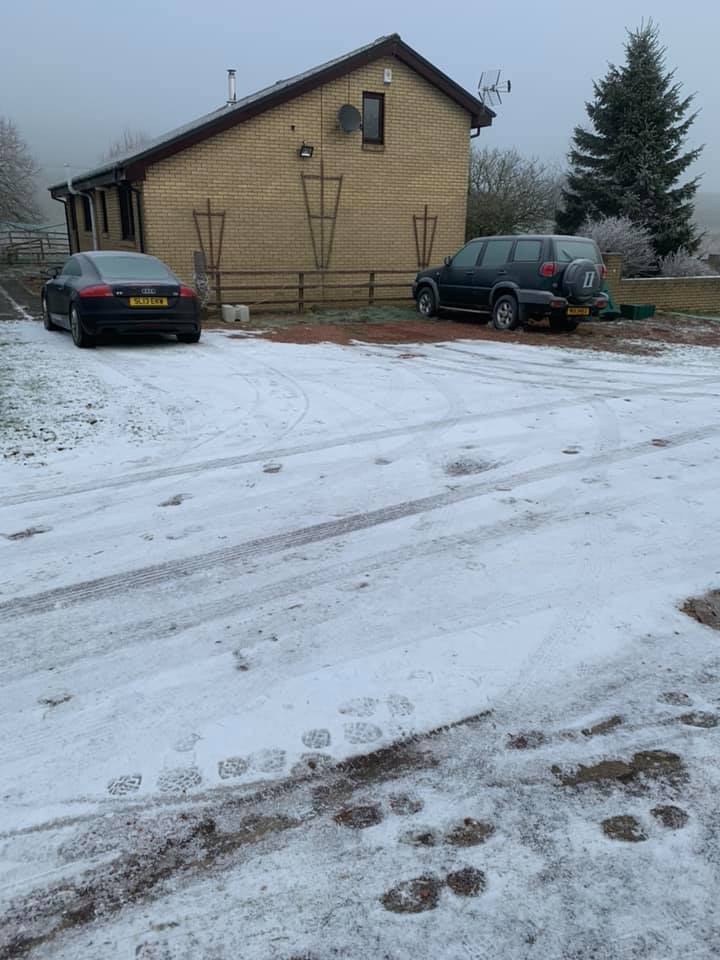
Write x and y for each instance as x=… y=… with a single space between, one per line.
x=132 y=268
x=576 y=249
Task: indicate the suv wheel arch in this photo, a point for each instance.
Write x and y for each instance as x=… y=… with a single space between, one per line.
x=503 y=289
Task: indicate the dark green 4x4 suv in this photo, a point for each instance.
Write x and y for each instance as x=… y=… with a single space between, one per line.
x=519 y=278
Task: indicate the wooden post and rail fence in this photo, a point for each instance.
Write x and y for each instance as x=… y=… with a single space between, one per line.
x=301 y=289
x=25 y=246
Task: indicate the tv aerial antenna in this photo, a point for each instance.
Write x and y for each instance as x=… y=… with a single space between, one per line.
x=490 y=89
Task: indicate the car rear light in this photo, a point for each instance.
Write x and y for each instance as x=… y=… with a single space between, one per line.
x=187 y=292
x=548 y=269
x=557 y=304
x=601 y=303
x=603 y=270
x=99 y=290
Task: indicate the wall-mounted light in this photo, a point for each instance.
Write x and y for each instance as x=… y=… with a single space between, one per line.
x=306 y=151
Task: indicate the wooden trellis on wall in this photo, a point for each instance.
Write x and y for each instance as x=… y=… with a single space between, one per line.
x=322 y=223
x=212 y=251
x=424 y=227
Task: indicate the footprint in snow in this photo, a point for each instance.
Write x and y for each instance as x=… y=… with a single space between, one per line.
x=176 y=500
x=268 y=761
x=400 y=706
x=124 y=785
x=179 y=779
x=359 y=707
x=232 y=767
x=362 y=732
x=316 y=739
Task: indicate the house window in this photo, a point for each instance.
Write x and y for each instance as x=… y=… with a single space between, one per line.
x=127 y=214
x=103 y=210
x=373 y=118
x=87 y=213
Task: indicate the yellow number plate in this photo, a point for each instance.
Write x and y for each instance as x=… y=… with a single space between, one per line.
x=578 y=311
x=148 y=301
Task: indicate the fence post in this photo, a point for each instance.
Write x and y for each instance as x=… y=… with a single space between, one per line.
x=371 y=288
x=301 y=291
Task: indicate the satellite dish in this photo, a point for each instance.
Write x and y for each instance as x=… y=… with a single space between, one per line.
x=349 y=118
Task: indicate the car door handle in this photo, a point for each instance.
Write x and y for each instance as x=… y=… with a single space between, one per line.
x=501 y=273
x=469 y=273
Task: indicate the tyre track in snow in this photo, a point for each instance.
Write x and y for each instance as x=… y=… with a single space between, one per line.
x=221 y=463
x=155 y=574
x=488 y=608
x=580 y=603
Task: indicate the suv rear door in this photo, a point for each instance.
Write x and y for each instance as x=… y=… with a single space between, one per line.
x=457 y=277
x=492 y=267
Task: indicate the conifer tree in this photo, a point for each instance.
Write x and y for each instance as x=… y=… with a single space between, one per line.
x=631 y=162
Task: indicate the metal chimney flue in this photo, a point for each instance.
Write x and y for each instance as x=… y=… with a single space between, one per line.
x=232 y=91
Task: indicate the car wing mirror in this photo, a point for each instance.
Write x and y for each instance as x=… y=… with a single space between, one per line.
x=53 y=272
x=447 y=261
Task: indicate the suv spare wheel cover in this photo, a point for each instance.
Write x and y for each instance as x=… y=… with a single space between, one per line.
x=582 y=280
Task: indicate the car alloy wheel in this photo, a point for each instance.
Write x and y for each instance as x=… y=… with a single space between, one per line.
x=505 y=313
x=80 y=338
x=426 y=303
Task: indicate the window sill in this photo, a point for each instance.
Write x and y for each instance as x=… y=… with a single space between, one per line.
x=374 y=147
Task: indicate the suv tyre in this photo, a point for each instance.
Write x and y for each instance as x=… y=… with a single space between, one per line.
x=582 y=280
x=506 y=312
x=426 y=302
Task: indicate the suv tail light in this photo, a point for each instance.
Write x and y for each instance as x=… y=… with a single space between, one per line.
x=99 y=290
x=603 y=270
x=548 y=269
x=187 y=292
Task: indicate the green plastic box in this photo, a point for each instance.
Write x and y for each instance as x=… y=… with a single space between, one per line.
x=637 y=311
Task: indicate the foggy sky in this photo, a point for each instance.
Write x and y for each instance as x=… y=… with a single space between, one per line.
x=74 y=73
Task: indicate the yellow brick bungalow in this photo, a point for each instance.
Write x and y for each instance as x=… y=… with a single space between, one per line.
x=358 y=164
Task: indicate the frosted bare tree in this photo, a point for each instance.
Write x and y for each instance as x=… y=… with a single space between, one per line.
x=621 y=235
x=509 y=193
x=684 y=264
x=18 y=171
x=126 y=142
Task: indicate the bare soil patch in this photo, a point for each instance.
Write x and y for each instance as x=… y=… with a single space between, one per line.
x=468 y=882
x=705 y=609
x=404 y=325
x=469 y=833
x=605 y=726
x=413 y=896
x=700 y=718
x=654 y=764
x=625 y=828
x=674 y=818
x=360 y=817
x=530 y=740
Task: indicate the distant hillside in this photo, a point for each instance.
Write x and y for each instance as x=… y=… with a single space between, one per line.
x=707 y=217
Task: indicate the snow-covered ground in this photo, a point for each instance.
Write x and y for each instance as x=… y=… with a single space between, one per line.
x=233 y=565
